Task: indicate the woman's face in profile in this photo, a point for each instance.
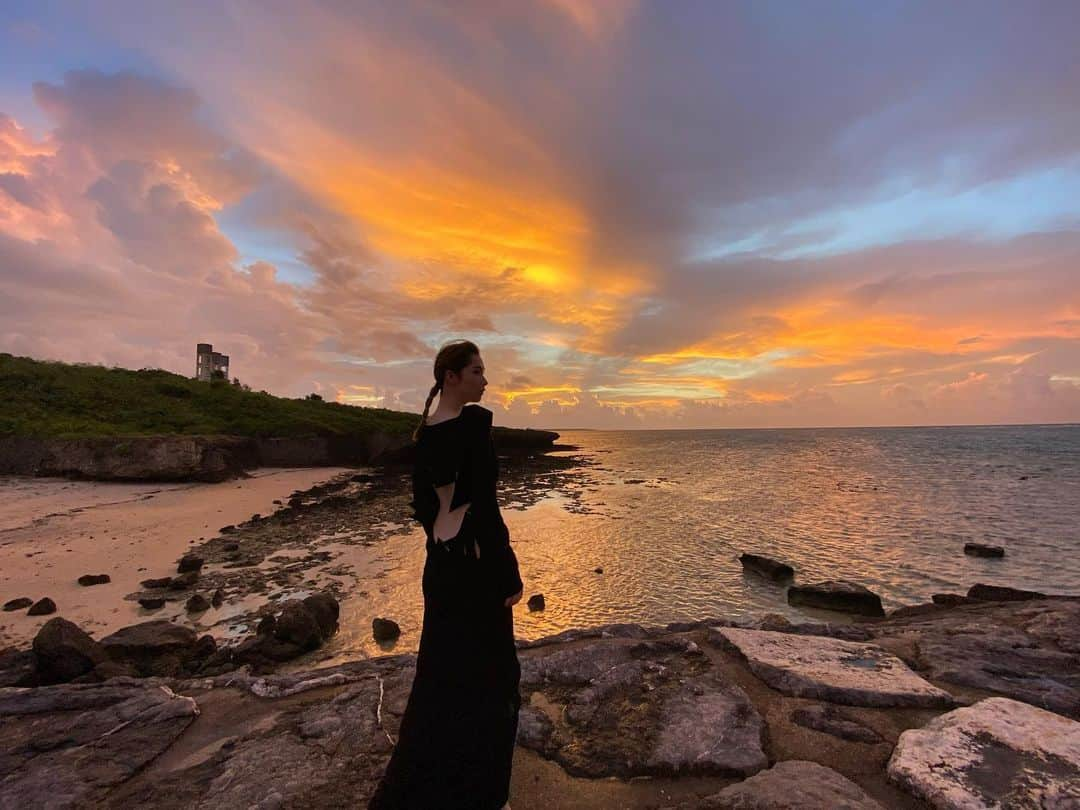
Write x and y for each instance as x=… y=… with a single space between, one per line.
x=473 y=381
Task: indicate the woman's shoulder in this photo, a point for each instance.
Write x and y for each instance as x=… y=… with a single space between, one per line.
x=477 y=415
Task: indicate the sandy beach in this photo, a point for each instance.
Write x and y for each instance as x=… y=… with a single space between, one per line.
x=52 y=531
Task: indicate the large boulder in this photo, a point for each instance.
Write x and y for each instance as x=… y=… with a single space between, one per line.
x=64 y=652
x=156 y=647
x=997 y=753
x=840 y=595
x=326 y=611
x=767 y=567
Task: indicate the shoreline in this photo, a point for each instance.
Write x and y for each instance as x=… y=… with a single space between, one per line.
x=129 y=531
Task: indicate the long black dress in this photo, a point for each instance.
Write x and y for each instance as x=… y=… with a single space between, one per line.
x=456 y=741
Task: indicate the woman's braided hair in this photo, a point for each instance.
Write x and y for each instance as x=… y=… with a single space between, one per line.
x=454 y=356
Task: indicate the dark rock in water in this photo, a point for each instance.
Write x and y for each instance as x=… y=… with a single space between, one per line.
x=42 y=607
x=189 y=562
x=384 y=629
x=996 y=593
x=94 y=579
x=227 y=529
x=197 y=604
x=826 y=718
x=218 y=599
x=156 y=647
x=18 y=604
x=983 y=550
x=848 y=597
x=767 y=567
x=598 y=570
x=18 y=668
x=536 y=602
x=152 y=602
x=950 y=599
x=325 y=609
x=184 y=581
x=161 y=582
x=296 y=625
x=64 y=652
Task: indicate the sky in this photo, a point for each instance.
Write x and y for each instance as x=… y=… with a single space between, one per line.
x=646 y=214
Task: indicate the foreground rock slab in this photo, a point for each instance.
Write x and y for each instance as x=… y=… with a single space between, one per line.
x=834 y=670
x=67 y=746
x=997 y=753
x=791 y=785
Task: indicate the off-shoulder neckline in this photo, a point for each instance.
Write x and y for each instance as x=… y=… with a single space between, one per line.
x=444 y=421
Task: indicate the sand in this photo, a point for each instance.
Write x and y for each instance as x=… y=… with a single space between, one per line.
x=52 y=531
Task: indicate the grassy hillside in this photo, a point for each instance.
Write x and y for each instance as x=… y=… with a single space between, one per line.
x=56 y=399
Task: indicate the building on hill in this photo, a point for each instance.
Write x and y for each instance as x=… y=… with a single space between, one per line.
x=210 y=364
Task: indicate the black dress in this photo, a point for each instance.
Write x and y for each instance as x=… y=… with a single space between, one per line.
x=455 y=744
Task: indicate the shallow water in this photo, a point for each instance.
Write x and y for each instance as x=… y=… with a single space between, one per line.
x=888 y=508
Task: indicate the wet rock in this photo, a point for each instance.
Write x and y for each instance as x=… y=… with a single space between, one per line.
x=536 y=602
x=997 y=593
x=535 y=728
x=152 y=602
x=949 y=599
x=983 y=550
x=791 y=785
x=183 y=581
x=227 y=529
x=831 y=669
x=266 y=626
x=87 y=580
x=189 y=562
x=296 y=625
x=18 y=604
x=64 y=652
x=767 y=567
x=828 y=719
x=197 y=604
x=218 y=599
x=997 y=753
x=53 y=760
x=840 y=595
x=161 y=582
x=326 y=611
x=384 y=629
x=231 y=547
x=598 y=570
x=42 y=607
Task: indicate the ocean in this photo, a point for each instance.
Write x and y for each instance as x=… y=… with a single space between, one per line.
x=665 y=515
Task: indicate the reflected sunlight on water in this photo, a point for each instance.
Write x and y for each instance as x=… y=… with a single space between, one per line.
x=665 y=514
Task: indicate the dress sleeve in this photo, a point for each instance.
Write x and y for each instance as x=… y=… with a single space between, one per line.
x=438 y=461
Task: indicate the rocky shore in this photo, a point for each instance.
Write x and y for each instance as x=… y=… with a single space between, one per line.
x=949 y=706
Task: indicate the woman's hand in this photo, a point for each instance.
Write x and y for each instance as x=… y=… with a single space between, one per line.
x=513 y=600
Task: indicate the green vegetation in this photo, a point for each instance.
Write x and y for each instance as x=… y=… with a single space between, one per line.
x=57 y=399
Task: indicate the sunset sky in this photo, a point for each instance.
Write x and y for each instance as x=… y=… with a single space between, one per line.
x=648 y=215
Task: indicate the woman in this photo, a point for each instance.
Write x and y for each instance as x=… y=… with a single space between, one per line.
x=456 y=741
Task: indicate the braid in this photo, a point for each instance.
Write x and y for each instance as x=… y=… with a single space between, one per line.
x=427 y=406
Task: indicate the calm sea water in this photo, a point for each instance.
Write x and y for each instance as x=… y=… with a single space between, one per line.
x=665 y=514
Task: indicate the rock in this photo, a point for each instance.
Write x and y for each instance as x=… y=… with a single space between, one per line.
x=64 y=652
x=982 y=550
x=536 y=602
x=152 y=602
x=189 y=562
x=184 y=581
x=324 y=607
x=162 y=582
x=997 y=593
x=828 y=719
x=94 y=579
x=598 y=570
x=157 y=647
x=767 y=567
x=231 y=547
x=18 y=604
x=18 y=668
x=997 y=753
x=218 y=599
x=266 y=626
x=114 y=669
x=384 y=629
x=197 y=604
x=42 y=607
x=227 y=529
x=848 y=597
x=296 y=625
x=792 y=785
x=68 y=746
x=949 y=599
x=831 y=669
